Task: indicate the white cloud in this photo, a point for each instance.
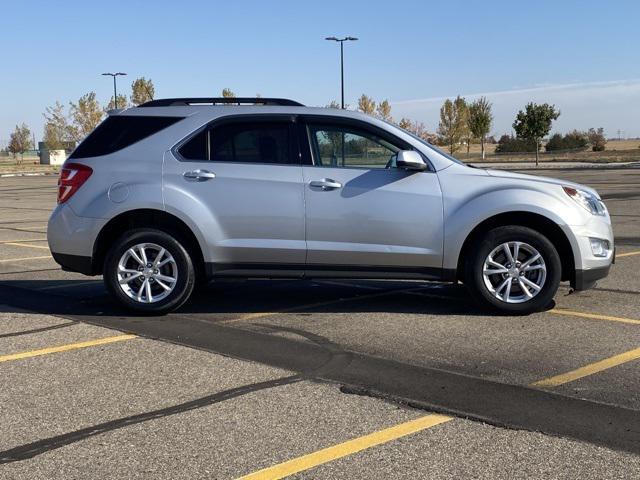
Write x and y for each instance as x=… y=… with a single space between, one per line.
x=610 y=104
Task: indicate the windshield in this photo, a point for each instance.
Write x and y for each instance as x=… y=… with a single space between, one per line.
x=433 y=147
x=428 y=145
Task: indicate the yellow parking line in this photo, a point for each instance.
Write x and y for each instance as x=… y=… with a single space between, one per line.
x=9 y=260
x=254 y=315
x=16 y=244
x=628 y=254
x=589 y=369
x=594 y=316
x=64 y=348
x=349 y=447
x=21 y=240
x=69 y=285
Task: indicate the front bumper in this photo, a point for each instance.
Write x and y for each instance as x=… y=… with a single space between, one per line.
x=589 y=268
x=586 y=279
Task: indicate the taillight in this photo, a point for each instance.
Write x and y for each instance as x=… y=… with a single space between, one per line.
x=72 y=176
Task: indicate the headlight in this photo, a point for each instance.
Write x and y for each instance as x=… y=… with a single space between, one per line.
x=586 y=200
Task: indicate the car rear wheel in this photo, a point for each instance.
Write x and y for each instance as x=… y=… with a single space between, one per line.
x=149 y=271
x=514 y=269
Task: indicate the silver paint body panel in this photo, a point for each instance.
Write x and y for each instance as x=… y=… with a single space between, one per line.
x=269 y=216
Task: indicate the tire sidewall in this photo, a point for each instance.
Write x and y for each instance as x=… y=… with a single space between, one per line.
x=475 y=278
x=186 y=276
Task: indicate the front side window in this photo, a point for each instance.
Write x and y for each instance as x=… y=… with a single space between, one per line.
x=258 y=142
x=349 y=147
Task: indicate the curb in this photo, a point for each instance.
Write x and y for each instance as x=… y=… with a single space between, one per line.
x=594 y=166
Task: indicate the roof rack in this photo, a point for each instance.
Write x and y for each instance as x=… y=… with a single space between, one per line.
x=173 y=102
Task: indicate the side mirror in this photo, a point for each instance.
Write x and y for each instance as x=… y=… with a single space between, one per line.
x=410 y=160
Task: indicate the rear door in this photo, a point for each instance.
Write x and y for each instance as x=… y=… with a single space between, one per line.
x=362 y=213
x=247 y=174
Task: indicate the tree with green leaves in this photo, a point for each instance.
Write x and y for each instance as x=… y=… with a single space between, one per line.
x=20 y=141
x=366 y=104
x=574 y=140
x=228 y=93
x=123 y=102
x=57 y=131
x=453 y=127
x=535 y=122
x=85 y=116
x=384 y=110
x=480 y=120
x=142 y=90
x=597 y=139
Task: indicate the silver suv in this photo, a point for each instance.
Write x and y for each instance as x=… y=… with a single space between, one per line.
x=164 y=197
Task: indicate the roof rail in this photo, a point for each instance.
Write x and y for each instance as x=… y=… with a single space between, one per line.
x=173 y=102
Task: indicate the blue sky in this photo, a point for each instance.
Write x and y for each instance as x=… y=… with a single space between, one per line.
x=580 y=55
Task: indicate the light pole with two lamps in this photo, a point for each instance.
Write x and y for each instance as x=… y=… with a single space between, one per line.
x=115 y=93
x=341 y=41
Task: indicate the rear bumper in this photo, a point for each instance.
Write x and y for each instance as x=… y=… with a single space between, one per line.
x=586 y=279
x=71 y=239
x=74 y=263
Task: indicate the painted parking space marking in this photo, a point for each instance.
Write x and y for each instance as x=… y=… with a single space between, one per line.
x=70 y=285
x=65 y=348
x=16 y=244
x=254 y=315
x=9 y=260
x=627 y=254
x=349 y=447
x=594 y=316
x=589 y=369
x=24 y=240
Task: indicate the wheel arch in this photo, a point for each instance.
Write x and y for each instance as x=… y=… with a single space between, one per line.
x=150 y=218
x=535 y=221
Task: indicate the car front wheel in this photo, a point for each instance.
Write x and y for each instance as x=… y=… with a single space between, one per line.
x=514 y=269
x=149 y=271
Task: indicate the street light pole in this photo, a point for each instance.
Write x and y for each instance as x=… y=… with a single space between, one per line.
x=115 y=92
x=341 y=41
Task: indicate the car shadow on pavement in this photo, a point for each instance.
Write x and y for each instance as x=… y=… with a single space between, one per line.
x=227 y=300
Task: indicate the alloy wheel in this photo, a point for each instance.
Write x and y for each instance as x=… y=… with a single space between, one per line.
x=514 y=272
x=147 y=273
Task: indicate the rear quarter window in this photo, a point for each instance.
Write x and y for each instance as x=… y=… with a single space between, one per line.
x=118 y=132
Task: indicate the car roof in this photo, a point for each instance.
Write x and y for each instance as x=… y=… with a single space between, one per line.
x=220 y=110
x=201 y=114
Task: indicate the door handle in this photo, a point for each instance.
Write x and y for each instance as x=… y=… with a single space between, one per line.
x=325 y=184
x=198 y=175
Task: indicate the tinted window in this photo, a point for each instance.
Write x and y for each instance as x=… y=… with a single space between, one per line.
x=257 y=142
x=118 y=132
x=197 y=148
x=344 y=146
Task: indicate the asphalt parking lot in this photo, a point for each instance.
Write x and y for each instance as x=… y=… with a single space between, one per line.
x=315 y=379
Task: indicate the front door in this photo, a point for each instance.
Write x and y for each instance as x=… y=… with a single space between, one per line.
x=247 y=176
x=362 y=213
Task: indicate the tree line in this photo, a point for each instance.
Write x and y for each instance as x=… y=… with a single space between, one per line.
x=461 y=122
x=65 y=127
x=458 y=121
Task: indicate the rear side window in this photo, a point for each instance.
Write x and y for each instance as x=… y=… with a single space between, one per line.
x=118 y=132
x=255 y=142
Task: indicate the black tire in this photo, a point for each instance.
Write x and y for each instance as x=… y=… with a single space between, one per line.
x=186 y=276
x=473 y=273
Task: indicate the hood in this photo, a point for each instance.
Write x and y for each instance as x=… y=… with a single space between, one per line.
x=534 y=178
